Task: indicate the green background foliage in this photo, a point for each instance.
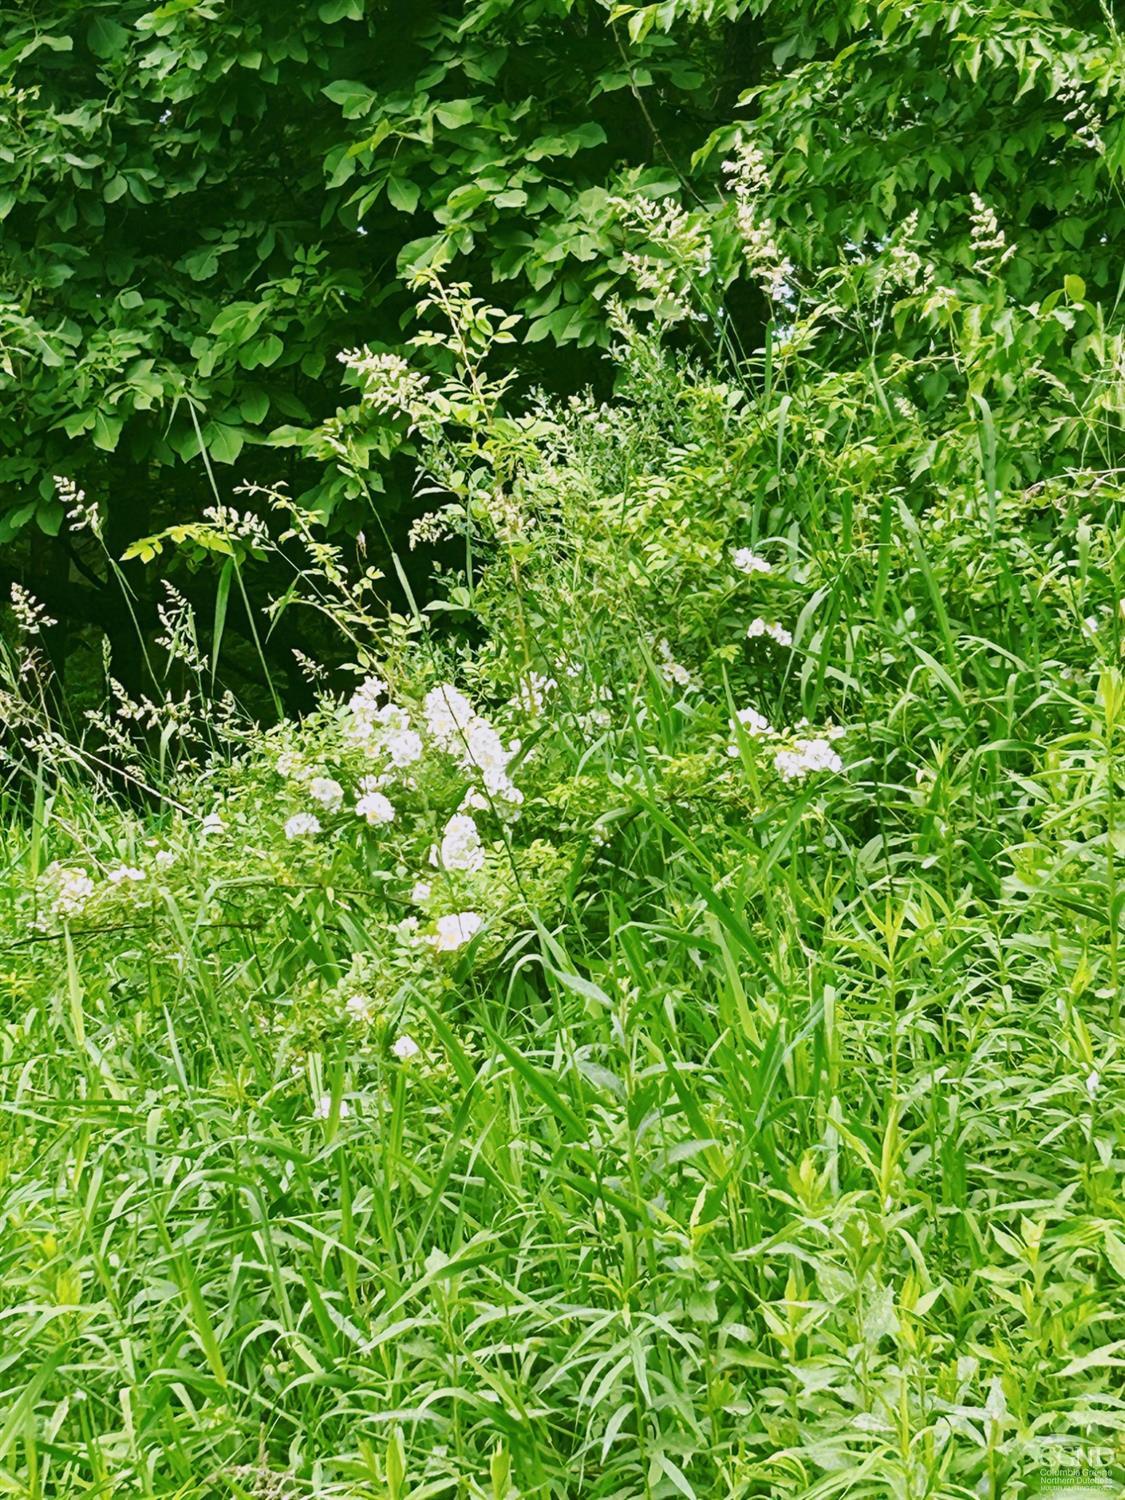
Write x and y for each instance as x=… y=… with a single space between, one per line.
x=203 y=203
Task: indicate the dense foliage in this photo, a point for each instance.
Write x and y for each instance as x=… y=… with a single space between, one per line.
x=203 y=203
x=651 y=1026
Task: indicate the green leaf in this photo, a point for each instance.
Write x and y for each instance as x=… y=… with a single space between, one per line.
x=403 y=194
x=106 y=38
x=261 y=351
x=223 y=443
x=353 y=98
x=107 y=430
x=253 y=406
x=1075 y=288
x=455 y=112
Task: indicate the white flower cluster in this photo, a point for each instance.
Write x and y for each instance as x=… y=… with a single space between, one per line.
x=795 y=762
x=1082 y=115
x=461 y=732
x=82 y=515
x=794 y=757
x=531 y=694
x=389 y=384
x=302 y=826
x=776 y=633
x=985 y=235
x=373 y=805
x=461 y=847
x=240 y=525
x=456 y=930
x=671 y=670
x=683 y=257
x=748 y=180
x=69 y=891
x=30 y=615
x=747 y=561
x=382 y=730
x=326 y=791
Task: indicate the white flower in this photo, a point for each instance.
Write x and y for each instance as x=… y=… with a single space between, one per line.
x=456 y=930
x=365 y=699
x=753 y=722
x=460 y=845
x=1093 y=1083
x=70 y=890
x=327 y=792
x=463 y=733
x=448 y=713
x=289 y=764
x=375 y=808
x=323 y=1108
x=124 y=872
x=805 y=756
x=358 y=1007
x=165 y=859
x=302 y=825
x=776 y=633
x=421 y=892
x=670 y=668
x=212 y=823
x=30 y=615
x=532 y=692
x=749 y=562
x=402 y=746
x=405 y=1047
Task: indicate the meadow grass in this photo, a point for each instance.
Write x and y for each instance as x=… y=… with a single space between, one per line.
x=766 y=1140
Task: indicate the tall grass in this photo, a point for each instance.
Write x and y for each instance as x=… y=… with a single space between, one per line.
x=768 y=1139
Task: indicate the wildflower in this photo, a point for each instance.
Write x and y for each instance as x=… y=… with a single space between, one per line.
x=532 y=692
x=322 y=1109
x=463 y=733
x=448 y=714
x=456 y=930
x=402 y=746
x=421 y=892
x=389 y=383
x=302 y=825
x=405 y=1047
x=1093 y=1083
x=985 y=235
x=671 y=670
x=365 y=699
x=804 y=757
x=30 y=615
x=124 y=872
x=358 y=1007
x=329 y=793
x=375 y=807
x=777 y=633
x=753 y=722
x=81 y=515
x=289 y=764
x=212 y=823
x=749 y=562
x=71 y=890
x=165 y=859
x=460 y=845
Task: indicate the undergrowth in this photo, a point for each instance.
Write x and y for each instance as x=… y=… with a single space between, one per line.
x=654 y=1029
